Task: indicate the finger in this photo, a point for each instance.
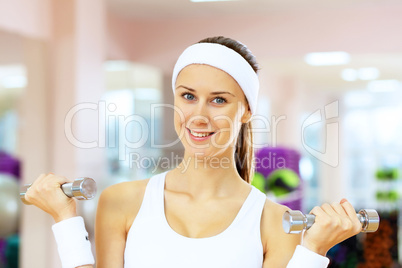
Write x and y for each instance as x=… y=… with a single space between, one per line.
x=54 y=183
x=339 y=209
x=52 y=178
x=35 y=184
x=327 y=208
x=58 y=179
x=39 y=178
x=349 y=209
x=317 y=211
x=321 y=215
x=42 y=180
x=48 y=183
x=352 y=215
x=32 y=190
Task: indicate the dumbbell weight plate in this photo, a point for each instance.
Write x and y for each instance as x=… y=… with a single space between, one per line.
x=82 y=188
x=370 y=220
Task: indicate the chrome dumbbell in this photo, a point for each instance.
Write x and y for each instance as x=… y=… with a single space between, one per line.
x=81 y=188
x=294 y=221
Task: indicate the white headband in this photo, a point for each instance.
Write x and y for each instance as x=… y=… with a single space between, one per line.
x=226 y=59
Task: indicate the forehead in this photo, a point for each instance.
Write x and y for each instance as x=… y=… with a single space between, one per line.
x=202 y=76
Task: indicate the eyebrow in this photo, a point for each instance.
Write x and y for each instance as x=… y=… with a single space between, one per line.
x=212 y=93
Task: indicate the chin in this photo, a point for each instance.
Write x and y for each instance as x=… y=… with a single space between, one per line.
x=207 y=153
x=196 y=153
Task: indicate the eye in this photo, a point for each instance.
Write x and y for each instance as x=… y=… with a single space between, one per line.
x=188 y=96
x=219 y=100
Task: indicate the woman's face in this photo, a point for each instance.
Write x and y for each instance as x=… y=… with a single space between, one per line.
x=210 y=108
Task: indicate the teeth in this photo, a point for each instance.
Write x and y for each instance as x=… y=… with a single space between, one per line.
x=200 y=134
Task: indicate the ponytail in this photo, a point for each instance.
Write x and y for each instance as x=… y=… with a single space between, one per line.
x=244 y=154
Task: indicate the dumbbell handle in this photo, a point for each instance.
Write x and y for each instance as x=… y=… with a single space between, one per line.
x=295 y=221
x=81 y=188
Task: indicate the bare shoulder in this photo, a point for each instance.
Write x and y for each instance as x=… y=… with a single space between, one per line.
x=273 y=210
x=120 y=192
x=278 y=245
x=125 y=198
x=117 y=206
x=271 y=220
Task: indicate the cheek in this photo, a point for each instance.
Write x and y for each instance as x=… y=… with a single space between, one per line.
x=180 y=117
x=229 y=119
x=177 y=121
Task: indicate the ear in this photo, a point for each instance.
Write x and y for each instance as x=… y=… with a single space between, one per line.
x=246 y=116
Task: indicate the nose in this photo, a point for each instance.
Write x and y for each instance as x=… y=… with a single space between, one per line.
x=200 y=115
x=199 y=120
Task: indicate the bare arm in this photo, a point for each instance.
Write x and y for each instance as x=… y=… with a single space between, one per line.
x=334 y=223
x=279 y=246
x=117 y=208
x=110 y=235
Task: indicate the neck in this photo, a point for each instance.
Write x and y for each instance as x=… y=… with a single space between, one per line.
x=205 y=177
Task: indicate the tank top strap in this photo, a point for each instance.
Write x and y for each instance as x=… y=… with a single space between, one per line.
x=152 y=202
x=250 y=214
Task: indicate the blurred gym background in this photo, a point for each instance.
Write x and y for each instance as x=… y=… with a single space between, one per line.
x=85 y=91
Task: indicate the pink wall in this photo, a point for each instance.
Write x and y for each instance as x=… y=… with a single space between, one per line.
x=62 y=46
x=27 y=17
x=11 y=46
x=371 y=29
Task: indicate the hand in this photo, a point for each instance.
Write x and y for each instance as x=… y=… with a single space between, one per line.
x=46 y=194
x=333 y=224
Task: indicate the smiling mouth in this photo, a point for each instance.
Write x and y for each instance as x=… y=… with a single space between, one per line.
x=200 y=134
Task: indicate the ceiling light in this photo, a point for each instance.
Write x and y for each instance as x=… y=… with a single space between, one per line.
x=349 y=74
x=384 y=85
x=368 y=73
x=327 y=58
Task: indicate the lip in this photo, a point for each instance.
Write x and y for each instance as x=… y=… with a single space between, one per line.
x=199 y=138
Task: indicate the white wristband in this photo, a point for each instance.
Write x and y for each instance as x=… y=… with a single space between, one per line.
x=73 y=243
x=305 y=258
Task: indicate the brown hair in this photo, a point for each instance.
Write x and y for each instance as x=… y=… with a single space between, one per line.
x=244 y=154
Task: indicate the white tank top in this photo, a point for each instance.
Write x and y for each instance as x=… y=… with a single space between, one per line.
x=152 y=243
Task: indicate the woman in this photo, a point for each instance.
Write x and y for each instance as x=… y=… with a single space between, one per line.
x=204 y=212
